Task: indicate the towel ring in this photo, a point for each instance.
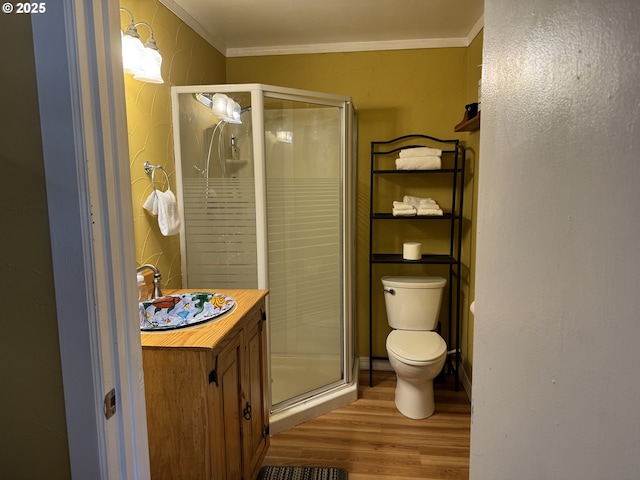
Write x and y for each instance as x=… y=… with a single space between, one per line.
x=152 y=169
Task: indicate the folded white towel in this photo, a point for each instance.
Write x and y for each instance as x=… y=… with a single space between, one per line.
x=431 y=162
x=404 y=212
x=402 y=206
x=430 y=211
x=420 y=152
x=429 y=206
x=417 y=202
x=168 y=215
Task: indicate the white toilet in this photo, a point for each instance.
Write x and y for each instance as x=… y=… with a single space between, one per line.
x=416 y=352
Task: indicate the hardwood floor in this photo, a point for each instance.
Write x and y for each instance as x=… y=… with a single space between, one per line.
x=373 y=441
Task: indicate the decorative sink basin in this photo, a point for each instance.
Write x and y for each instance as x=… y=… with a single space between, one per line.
x=183 y=310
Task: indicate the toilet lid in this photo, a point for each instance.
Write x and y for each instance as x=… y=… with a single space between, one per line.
x=412 y=346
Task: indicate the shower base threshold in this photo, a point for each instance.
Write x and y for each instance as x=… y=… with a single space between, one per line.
x=315 y=406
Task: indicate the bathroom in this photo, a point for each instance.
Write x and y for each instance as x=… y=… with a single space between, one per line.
x=524 y=403
x=380 y=116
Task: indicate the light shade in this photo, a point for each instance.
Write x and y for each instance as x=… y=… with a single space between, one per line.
x=220 y=101
x=233 y=112
x=132 y=50
x=150 y=63
x=226 y=108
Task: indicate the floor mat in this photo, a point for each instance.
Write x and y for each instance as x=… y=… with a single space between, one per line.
x=302 y=473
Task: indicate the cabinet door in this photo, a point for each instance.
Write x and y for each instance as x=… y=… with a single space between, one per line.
x=177 y=420
x=255 y=404
x=225 y=394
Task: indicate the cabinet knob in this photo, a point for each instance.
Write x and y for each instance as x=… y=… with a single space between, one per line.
x=246 y=413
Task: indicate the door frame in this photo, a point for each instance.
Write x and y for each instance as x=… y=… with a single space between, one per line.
x=84 y=139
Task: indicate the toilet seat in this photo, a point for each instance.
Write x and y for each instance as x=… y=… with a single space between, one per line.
x=416 y=347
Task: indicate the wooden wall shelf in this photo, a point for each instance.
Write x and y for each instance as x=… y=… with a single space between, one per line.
x=468 y=125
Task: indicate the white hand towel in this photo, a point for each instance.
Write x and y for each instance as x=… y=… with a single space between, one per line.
x=430 y=162
x=151 y=203
x=430 y=211
x=402 y=206
x=404 y=212
x=168 y=215
x=428 y=201
x=420 y=152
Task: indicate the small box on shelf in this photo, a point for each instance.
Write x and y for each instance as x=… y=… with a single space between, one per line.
x=471 y=120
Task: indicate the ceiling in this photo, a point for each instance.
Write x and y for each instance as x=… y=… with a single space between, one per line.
x=270 y=27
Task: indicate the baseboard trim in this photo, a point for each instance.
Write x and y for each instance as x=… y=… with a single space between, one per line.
x=466 y=383
x=380 y=364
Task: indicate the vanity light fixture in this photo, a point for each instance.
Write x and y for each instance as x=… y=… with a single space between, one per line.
x=222 y=106
x=141 y=61
x=226 y=108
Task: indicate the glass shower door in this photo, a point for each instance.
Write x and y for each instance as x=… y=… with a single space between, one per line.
x=304 y=185
x=216 y=188
x=267 y=202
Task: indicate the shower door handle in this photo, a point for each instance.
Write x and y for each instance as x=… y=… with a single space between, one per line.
x=246 y=413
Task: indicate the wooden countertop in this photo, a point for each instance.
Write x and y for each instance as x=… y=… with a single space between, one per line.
x=208 y=334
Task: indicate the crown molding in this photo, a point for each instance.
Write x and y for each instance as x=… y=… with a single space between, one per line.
x=347 y=47
x=475 y=30
x=214 y=40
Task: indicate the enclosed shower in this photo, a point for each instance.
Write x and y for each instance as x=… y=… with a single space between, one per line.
x=265 y=183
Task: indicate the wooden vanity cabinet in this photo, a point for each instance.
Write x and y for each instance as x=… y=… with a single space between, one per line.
x=207 y=408
x=256 y=394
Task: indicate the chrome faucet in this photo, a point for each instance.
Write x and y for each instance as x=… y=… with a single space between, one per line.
x=156 y=279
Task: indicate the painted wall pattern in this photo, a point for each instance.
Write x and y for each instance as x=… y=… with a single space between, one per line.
x=187 y=60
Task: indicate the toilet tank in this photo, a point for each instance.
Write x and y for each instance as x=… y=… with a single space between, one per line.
x=413 y=303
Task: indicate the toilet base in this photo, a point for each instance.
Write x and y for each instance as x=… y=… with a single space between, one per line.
x=415 y=400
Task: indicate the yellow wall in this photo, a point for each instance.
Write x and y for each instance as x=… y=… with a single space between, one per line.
x=186 y=60
x=395 y=93
x=472 y=143
x=32 y=412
